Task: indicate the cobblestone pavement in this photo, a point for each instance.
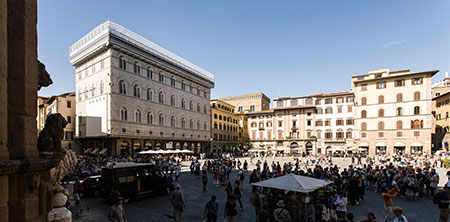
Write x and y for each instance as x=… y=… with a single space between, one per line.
x=158 y=208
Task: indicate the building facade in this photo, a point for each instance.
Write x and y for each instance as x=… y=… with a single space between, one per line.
x=134 y=95
x=41 y=115
x=441 y=138
x=393 y=111
x=254 y=102
x=224 y=127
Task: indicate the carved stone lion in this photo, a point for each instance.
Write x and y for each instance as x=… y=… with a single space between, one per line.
x=50 y=137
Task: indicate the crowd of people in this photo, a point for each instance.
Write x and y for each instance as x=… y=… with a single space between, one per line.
x=410 y=177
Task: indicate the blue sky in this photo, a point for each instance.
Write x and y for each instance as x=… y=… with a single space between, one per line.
x=280 y=48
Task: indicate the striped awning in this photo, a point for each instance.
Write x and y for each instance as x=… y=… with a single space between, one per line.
x=103 y=151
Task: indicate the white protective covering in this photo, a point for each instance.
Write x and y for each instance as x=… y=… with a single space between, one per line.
x=294 y=182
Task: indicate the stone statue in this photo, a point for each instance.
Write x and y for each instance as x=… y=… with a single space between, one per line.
x=49 y=146
x=44 y=79
x=50 y=137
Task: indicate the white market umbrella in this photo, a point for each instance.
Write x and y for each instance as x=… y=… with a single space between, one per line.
x=292 y=182
x=186 y=151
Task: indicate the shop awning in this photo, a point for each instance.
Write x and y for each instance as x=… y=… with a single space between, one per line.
x=397 y=144
x=416 y=144
x=95 y=151
x=123 y=144
x=380 y=144
x=363 y=144
x=103 y=151
x=86 y=151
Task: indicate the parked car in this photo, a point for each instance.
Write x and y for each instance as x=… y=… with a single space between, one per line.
x=130 y=180
x=90 y=186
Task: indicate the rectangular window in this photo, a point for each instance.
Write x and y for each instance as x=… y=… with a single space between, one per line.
x=349 y=121
x=319 y=123
x=308 y=134
x=280 y=123
x=363 y=87
x=319 y=111
x=280 y=135
x=309 y=123
x=328 y=135
x=416 y=133
x=328 y=110
x=350 y=109
x=381 y=85
x=380 y=134
x=348 y=135
x=327 y=122
x=69 y=104
x=340 y=109
x=339 y=122
x=399 y=82
x=69 y=119
x=339 y=135
x=378 y=76
x=399 y=134
x=416 y=81
x=363 y=135
x=349 y=99
x=329 y=101
x=318 y=101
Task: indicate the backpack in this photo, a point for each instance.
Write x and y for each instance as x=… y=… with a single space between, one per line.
x=436 y=198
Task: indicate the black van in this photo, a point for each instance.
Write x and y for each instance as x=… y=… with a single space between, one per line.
x=129 y=180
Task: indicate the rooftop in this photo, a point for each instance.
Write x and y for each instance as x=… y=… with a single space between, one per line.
x=112 y=28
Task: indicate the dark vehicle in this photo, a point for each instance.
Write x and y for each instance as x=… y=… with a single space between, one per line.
x=129 y=180
x=90 y=186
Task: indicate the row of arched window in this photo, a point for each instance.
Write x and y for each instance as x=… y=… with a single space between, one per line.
x=398 y=112
x=161 y=120
x=161 y=76
x=91 y=91
x=161 y=99
x=399 y=98
x=415 y=124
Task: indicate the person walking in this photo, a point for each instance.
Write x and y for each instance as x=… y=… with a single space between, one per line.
x=211 y=209
x=399 y=217
x=230 y=211
x=341 y=206
x=281 y=214
x=237 y=193
x=442 y=200
x=387 y=196
x=204 y=181
x=116 y=212
x=178 y=204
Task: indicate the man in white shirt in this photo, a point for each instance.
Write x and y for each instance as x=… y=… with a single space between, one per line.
x=341 y=209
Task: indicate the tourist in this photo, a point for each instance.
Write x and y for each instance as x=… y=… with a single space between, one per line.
x=370 y=217
x=350 y=217
x=204 y=180
x=229 y=190
x=237 y=194
x=442 y=200
x=399 y=217
x=211 y=209
x=116 y=212
x=341 y=206
x=178 y=204
x=281 y=214
x=263 y=215
x=230 y=211
x=387 y=199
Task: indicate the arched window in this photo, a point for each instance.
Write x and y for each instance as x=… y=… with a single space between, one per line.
x=149 y=73
x=380 y=99
x=399 y=97
x=161 y=119
x=85 y=93
x=191 y=124
x=79 y=95
x=149 y=94
x=138 y=116
x=183 y=123
x=102 y=87
x=172 y=121
x=122 y=87
x=416 y=96
x=399 y=111
x=93 y=90
x=294 y=102
x=416 y=110
x=198 y=107
x=136 y=91
x=149 y=118
x=363 y=114
x=380 y=125
x=204 y=109
x=122 y=63
x=363 y=126
x=380 y=112
x=161 y=77
x=123 y=114
x=364 y=101
x=161 y=97
x=172 y=81
x=191 y=105
x=183 y=103
x=416 y=124
x=183 y=85
x=399 y=124
x=198 y=125
x=137 y=68
x=172 y=100
x=205 y=126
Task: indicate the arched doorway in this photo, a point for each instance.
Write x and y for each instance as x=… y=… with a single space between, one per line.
x=294 y=147
x=309 y=147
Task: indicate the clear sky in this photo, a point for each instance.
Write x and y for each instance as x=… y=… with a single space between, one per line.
x=280 y=48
